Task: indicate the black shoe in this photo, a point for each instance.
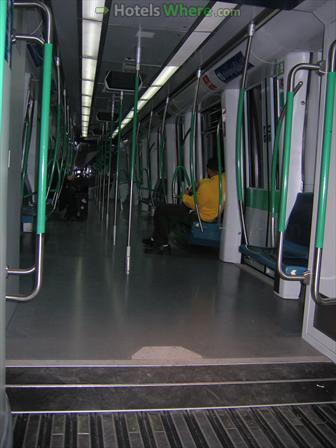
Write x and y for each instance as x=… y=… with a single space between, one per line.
x=163 y=249
x=150 y=242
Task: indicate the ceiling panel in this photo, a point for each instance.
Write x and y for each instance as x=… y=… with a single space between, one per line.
x=66 y=24
x=163 y=22
x=121 y=41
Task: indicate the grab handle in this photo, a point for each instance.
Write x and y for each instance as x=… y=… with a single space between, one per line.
x=43 y=162
x=285 y=169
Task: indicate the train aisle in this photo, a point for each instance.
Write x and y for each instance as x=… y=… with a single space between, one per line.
x=184 y=308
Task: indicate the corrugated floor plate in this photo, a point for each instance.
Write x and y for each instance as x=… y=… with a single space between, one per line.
x=311 y=426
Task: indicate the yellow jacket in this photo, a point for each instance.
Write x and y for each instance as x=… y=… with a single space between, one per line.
x=207 y=198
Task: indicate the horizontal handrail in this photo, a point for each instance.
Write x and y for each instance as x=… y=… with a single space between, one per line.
x=38 y=274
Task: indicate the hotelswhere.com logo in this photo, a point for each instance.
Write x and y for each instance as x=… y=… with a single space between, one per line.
x=168 y=9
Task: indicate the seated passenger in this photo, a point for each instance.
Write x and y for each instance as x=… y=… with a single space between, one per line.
x=167 y=216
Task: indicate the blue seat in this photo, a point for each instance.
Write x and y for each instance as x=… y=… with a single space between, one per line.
x=209 y=237
x=296 y=243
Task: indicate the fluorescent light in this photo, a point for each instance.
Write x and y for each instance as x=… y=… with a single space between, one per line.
x=89 y=68
x=165 y=74
x=90 y=38
x=92 y=13
x=150 y=92
x=86 y=101
x=142 y=103
x=87 y=88
x=89 y=9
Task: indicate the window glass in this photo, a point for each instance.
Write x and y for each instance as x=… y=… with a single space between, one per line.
x=255 y=137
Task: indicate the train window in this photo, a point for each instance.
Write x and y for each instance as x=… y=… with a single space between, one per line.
x=210 y=119
x=279 y=100
x=254 y=136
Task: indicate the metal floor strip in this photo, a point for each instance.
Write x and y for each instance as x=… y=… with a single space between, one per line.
x=288 y=426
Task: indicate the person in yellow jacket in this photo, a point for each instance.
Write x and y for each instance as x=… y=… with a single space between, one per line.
x=167 y=216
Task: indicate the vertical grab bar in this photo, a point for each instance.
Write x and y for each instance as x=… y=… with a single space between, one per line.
x=192 y=139
x=162 y=149
x=239 y=124
x=220 y=177
x=43 y=162
x=134 y=147
x=110 y=165
x=285 y=168
x=116 y=188
x=324 y=180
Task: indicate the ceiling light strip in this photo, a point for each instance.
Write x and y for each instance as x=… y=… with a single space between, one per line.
x=92 y=19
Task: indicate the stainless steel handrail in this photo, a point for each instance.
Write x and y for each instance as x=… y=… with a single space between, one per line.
x=37 y=269
x=45 y=9
x=291 y=89
x=38 y=273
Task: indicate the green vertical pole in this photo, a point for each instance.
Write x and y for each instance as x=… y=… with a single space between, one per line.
x=325 y=162
x=285 y=162
x=240 y=117
x=44 y=138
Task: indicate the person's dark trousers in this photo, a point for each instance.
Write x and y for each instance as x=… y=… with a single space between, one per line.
x=165 y=219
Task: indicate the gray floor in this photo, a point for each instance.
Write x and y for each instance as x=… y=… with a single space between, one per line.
x=89 y=310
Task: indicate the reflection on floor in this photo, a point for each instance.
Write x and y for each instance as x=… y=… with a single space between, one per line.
x=189 y=307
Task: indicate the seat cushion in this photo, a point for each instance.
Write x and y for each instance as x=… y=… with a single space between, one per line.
x=292 y=265
x=209 y=237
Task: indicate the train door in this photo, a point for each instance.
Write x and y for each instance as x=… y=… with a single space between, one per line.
x=319 y=327
x=256 y=165
x=209 y=120
x=5 y=101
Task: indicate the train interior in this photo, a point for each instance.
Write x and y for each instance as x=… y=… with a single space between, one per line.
x=111 y=111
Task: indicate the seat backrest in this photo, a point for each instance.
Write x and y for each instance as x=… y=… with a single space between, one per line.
x=299 y=221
